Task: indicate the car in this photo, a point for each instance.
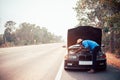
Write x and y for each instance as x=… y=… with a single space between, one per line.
x=83 y=59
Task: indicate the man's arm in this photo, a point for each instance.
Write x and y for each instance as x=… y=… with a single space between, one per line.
x=82 y=48
x=79 y=49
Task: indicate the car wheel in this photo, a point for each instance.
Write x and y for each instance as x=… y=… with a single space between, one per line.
x=104 y=68
x=65 y=68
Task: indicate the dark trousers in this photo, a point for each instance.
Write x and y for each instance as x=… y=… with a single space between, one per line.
x=94 y=53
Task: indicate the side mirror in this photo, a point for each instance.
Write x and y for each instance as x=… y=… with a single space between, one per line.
x=102 y=45
x=64 y=46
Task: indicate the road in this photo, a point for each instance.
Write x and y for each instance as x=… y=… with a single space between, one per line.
x=44 y=62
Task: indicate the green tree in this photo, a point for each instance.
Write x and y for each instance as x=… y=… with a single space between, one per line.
x=1 y=40
x=24 y=33
x=8 y=31
x=104 y=14
x=31 y=34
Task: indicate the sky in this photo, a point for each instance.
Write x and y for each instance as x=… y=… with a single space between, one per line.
x=56 y=15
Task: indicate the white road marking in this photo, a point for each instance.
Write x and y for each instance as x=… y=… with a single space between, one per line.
x=59 y=74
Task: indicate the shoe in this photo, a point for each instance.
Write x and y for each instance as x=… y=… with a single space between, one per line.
x=91 y=71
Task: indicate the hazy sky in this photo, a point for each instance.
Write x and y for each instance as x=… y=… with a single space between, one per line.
x=56 y=15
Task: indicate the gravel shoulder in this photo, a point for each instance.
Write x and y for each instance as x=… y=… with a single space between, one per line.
x=113 y=60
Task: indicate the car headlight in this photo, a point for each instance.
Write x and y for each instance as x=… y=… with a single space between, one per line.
x=72 y=57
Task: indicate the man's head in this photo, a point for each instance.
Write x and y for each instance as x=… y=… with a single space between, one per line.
x=79 y=40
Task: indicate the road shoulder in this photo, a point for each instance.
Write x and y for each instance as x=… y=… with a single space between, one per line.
x=113 y=60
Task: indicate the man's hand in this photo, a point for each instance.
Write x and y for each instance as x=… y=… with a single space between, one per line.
x=79 y=49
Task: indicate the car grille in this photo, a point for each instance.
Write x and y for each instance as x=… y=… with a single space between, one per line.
x=85 y=57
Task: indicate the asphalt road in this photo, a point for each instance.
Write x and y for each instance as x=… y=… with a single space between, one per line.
x=44 y=62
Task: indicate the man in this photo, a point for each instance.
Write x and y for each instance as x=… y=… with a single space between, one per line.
x=92 y=46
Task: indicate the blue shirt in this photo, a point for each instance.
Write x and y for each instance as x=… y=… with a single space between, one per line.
x=89 y=44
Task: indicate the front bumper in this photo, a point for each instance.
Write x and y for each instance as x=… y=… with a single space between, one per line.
x=69 y=64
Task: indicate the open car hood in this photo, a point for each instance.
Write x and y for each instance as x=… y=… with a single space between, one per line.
x=84 y=32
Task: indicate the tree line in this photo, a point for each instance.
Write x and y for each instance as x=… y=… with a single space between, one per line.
x=104 y=14
x=26 y=34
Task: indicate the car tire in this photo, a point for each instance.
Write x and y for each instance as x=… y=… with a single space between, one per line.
x=104 y=69
x=65 y=69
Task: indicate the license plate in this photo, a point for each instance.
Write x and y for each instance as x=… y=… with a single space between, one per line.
x=85 y=62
